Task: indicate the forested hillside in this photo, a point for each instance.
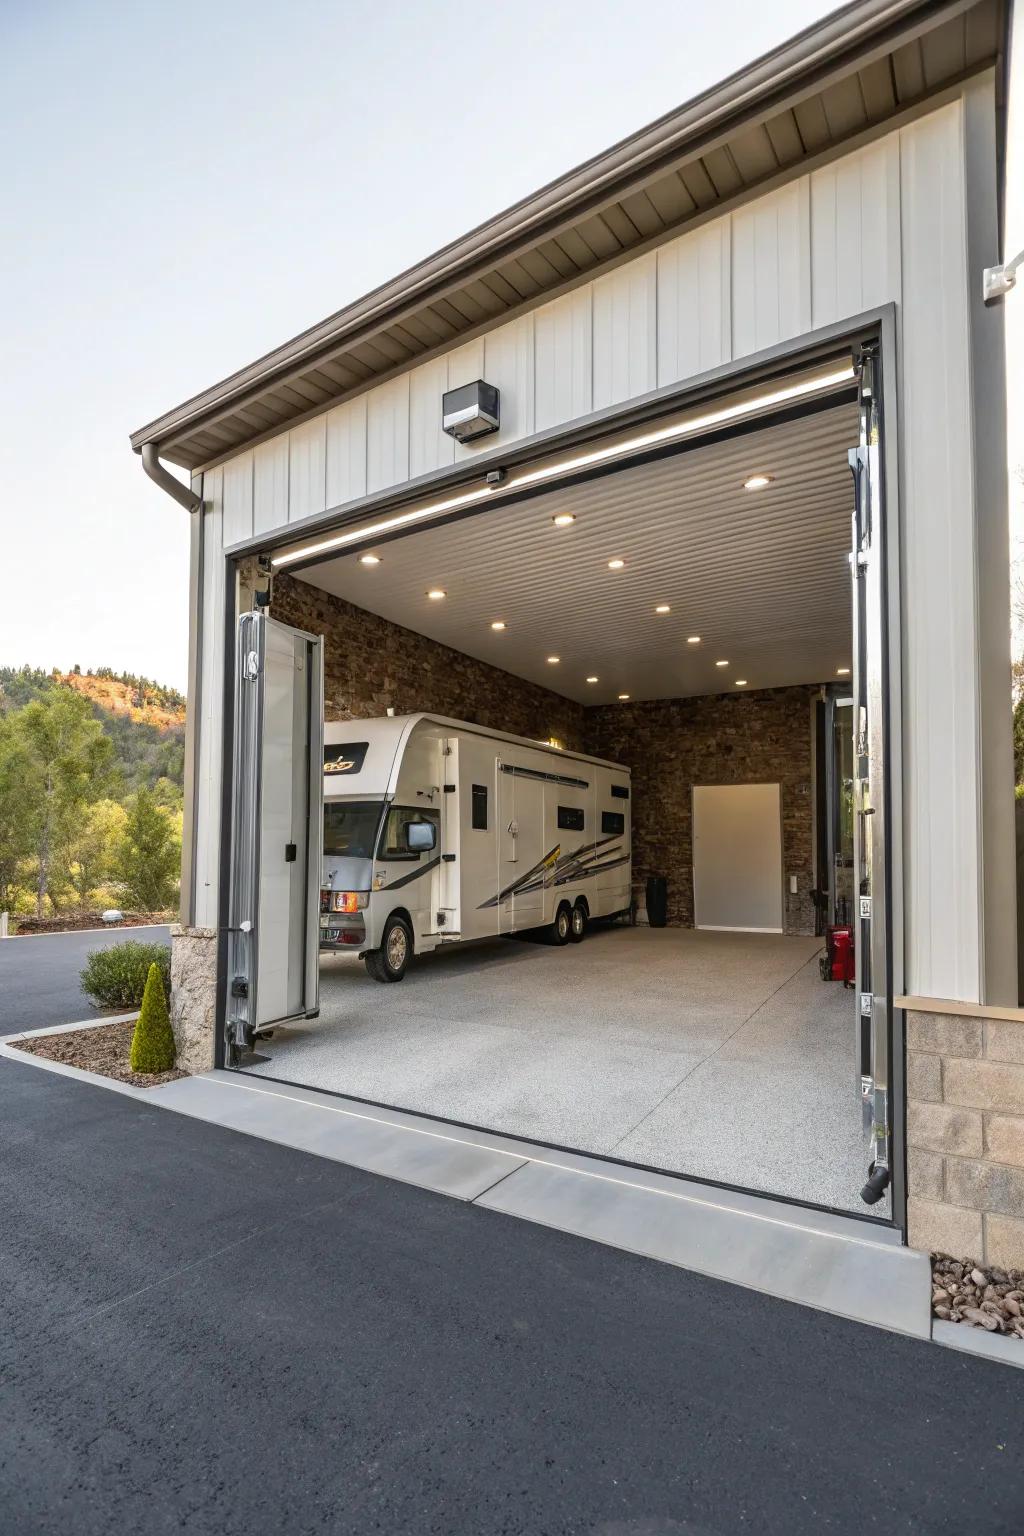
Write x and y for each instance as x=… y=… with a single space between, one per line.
x=91 y=776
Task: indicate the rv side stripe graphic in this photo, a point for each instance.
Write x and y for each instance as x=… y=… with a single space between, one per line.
x=556 y=868
x=405 y=880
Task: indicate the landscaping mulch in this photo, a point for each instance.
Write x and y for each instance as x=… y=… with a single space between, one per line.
x=978 y=1295
x=76 y=922
x=105 y=1049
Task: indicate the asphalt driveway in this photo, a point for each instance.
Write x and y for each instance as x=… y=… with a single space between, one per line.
x=210 y=1332
x=39 y=975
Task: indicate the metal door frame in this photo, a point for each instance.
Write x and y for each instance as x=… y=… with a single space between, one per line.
x=878 y=327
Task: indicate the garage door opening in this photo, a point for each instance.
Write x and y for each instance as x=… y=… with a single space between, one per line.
x=686 y=643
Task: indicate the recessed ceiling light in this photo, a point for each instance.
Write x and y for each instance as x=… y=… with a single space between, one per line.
x=553 y=659
x=498 y=624
x=616 y=564
x=563 y=519
x=369 y=559
x=721 y=663
x=741 y=682
x=757 y=482
x=436 y=593
x=663 y=608
x=623 y=695
x=693 y=639
x=591 y=679
x=842 y=671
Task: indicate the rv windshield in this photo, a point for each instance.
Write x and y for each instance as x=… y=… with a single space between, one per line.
x=350 y=828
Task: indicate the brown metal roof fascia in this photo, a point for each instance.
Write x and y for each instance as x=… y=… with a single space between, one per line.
x=847 y=37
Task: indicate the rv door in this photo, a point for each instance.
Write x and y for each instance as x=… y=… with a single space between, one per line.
x=276 y=829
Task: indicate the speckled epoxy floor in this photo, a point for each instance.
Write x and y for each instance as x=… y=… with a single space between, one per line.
x=720 y=1055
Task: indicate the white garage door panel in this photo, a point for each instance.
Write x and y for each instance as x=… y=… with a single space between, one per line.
x=737 y=857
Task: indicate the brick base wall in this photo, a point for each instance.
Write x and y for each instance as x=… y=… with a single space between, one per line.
x=371 y=665
x=672 y=744
x=965 y=1137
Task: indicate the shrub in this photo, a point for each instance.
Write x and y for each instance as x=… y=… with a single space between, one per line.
x=116 y=977
x=153 y=1040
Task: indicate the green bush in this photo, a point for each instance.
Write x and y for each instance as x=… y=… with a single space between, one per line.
x=116 y=977
x=153 y=1040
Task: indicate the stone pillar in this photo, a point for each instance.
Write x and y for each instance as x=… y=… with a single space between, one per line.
x=965 y=1135
x=194 y=996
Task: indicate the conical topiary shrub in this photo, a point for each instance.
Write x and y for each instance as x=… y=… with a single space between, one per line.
x=153 y=1040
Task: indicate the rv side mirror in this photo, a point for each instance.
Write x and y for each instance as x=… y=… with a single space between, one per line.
x=420 y=835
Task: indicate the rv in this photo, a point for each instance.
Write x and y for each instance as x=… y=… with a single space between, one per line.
x=436 y=832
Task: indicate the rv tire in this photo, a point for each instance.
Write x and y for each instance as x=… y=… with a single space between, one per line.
x=561 y=928
x=578 y=923
x=389 y=963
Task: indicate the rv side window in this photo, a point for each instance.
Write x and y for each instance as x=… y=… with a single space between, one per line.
x=570 y=818
x=479 y=808
x=620 y=792
x=614 y=822
x=394 y=843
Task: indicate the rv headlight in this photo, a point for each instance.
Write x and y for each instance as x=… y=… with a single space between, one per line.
x=350 y=901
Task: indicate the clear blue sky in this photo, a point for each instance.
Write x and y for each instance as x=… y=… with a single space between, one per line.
x=187 y=185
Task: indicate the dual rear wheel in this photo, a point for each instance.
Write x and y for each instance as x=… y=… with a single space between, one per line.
x=570 y=924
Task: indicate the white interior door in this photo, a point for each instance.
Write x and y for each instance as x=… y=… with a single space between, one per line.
x=276 y=828
x=737 y=857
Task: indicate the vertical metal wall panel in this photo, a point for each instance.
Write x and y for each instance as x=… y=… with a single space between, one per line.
x=509 y=363
x=387 y=434
x=211 y=694
x=270 y=484
x=307 y=468
x=430 y=448
x=238 y=494
x=940 y=622
x=346 y=452
x=626 y=332
x=563 y=359
x=694 y=320
x=771 y=268
x=855 y=232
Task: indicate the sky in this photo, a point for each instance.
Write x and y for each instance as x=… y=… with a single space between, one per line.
x=187 y=186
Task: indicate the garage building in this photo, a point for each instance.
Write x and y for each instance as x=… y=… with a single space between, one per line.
x=735 y=520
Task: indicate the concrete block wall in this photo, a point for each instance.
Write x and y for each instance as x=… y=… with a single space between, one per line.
x=965 y=1136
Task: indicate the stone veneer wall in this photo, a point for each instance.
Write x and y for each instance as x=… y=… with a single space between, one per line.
x=965 y=1136
x=672 y=744
x=372 y=665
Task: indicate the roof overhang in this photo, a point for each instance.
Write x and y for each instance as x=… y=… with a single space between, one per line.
x=847 y=75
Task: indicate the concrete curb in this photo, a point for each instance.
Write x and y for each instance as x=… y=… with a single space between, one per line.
x=975 y=1341
x=67 y=1029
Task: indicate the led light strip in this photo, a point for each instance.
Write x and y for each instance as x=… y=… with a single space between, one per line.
x=688 y=427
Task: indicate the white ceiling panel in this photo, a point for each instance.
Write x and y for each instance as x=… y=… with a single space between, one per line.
x=761 y=576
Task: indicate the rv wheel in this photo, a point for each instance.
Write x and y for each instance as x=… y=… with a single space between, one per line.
x=578 y=925
x=561 y=928
x=389 y=962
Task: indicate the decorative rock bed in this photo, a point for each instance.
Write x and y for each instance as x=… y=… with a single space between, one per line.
x=980 y=1296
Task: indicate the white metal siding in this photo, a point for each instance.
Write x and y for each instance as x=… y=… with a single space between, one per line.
x=884 y=224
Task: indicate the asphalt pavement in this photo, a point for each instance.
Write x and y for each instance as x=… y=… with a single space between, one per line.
x=39 y=974
x=205 y=1331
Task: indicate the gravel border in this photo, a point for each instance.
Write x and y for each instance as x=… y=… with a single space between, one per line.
x=978 y=1295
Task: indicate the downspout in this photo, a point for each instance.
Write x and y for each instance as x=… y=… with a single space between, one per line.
x=162 y=477
x=193 y=504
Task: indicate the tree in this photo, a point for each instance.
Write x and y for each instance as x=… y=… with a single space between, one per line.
x=150 y=855
x=68 y=757
x=89 y=851
x=153 y=1048
x=19 y=810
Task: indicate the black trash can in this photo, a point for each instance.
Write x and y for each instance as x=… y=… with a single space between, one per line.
x=657 y=901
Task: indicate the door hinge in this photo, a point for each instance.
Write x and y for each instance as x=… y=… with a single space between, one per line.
x=251 y=669
x=449 y=789
x=448 y=858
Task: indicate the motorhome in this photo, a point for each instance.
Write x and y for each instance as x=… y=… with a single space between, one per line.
x=437 y=831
